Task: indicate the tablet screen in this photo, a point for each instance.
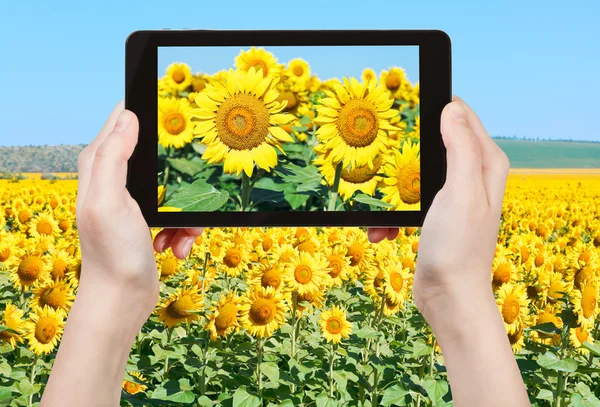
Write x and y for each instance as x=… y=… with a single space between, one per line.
x=296 y=128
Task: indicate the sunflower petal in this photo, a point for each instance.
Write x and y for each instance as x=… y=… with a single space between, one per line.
x=280 y=134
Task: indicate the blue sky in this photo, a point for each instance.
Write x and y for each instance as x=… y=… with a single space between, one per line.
x=529 y=68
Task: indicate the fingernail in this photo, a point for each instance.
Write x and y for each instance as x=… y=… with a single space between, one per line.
x=458 y=113
x=123 y=121
x=187 y=246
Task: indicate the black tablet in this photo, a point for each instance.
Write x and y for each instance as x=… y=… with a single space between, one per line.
x=287 y=128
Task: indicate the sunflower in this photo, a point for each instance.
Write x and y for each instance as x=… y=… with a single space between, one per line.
x=259 y=58
x=359 y=251
x=262 y=311
x=395 y=82
x=338 y=264
x=503 y=271
x=180 y=307
x=315 y=299
x=585 y=303
x=224 y=316
x=43 y=225
x=44 y=329
x=361 y=178
x=581 y=254
x=284 y=253
x=234 y=259
x=555 y=286
x=135 y=387
x=374 y=282
x=74 y=273
x=579 y=335
x=397 y=283
x=167 y=264
x=586 y=274
x=12 y=318
x=547 y=315
x=517 y=340
x=56 y=294
x=298 y=70
x=178 y=78
x=512 y=302
x=31 y=268
x=239 y=119
x=415 y=133
x=267 y=275
x=305 y=273
x=334 y=325
x=354 y=120
x=175 y=128
x=403 y=183
x=9 y=253
x=368 y=75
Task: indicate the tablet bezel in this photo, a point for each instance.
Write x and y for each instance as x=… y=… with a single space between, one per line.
x=141 y=98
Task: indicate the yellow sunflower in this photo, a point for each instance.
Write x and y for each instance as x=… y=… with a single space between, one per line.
x=337 y=263
x=9 y=253
x=43 y=225
x=512 y=302
x=175 y=128
x=361 y=178
x=12 y=318
x=262 y=311
x=585 y=303
x=267 y=275
x=56 y=294
x=579 y=335
x=259 y=58
x=134 y=387
x=61 y=263
x=581 y=254
x=239 y=119
x=223 y=318
x=395 y=82
x=235 y=259
x=44 y=329
x=334 y=325
x=167 y=264
x=368 y=75
x=32 y=267
x=354 y=121
x=305 y=272
x=178 y=78
x=180 y=307
x=298 y=70
x=359 y=251
x=403 y=183
x=397 y=283
x=547 y=315
x=517 y=340
x=315 y=299
x=503 y=271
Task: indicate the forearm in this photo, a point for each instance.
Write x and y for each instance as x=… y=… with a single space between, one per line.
x=477 y=353
x=91 y=360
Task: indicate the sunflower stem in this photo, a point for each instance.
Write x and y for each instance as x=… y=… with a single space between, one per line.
x=259 y=352
x=206 y=258
x=166 y=172
x=32 y=377
x=333 y=193
x=294 y=319
x=169 y=333
x=204 y=363
x=245 y=191
x=331 y=360
x=594 y=336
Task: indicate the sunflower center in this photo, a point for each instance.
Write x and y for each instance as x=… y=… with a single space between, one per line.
x=407 y=262
x=539 y=259
x=267 y=243
x=392 y=82
x=510 y=310
x=290 y=98
x=59 y=267
x=335 y=264
x=378 y=281
x=55 y=297
x=44 y=227
x=271 y=278
x=227 y=316
x=4 y=254
x=514 y=338
x=45 y=329
x=358 y=123
x=259 y=64
x=263 y=310
x=180 y=307
x=243 y=122
x=582 y=334
x=361 y=174
x=502 y=274
x=524 y=254
x=356 y=253
x=409 y=184
x=396 y=281
x=64 y=225
x=233 y=257
x=174 y=123
x=334 y=325
x=178 y=76
x=303 y=274
x=307 y=246
x=585 y=256
x=24 y=215
x=30 y=269
x=298 y=70
x=583 y=276
x=588 y=301
x=168 y=267
x=199 y=84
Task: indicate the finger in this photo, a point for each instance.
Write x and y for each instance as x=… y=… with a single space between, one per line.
x=392 y=233
x=376 y=235
x=463 y=153
x=495 y=164
x=195 y=232
x=182 y=242
x=109 y=171
x=163 y=239
x=86 y=156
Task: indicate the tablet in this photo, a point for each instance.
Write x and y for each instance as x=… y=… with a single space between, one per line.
x=287 y=128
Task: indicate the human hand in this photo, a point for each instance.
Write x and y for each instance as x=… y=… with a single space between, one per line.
x=459 y=234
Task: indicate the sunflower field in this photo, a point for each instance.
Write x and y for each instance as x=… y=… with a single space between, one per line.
x=310 y=317
x=270 y=136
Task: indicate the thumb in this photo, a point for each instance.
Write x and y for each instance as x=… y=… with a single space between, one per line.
x=109 y=170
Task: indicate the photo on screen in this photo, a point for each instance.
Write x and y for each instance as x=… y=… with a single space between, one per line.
x=294 y=128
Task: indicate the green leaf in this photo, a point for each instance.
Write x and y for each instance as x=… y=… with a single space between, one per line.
x=198 y=197
x=7 y=330
x=551 y=362
x=436 y=389
x=199 y=147
x=189 y=167
x=545 y=394
x=27 y=388
x=204 y=401
x=420 y=348
x=161 y=150
x=577 y=400
x=299 y=175
x=241 y=398
x=271 y=370
x=5 y=369
x=394 y=395
x=592 y=347
x=548 y=328
x=369 y=200
x=323 y=400
x=186 y=397
x=366 y=332
x=5 y=394
x=259 y=195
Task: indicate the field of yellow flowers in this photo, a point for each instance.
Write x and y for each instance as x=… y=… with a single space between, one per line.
x=310 y=317
x=270 y=136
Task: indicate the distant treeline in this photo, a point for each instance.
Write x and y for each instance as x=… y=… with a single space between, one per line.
x=543 y=139
x=43 y=159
